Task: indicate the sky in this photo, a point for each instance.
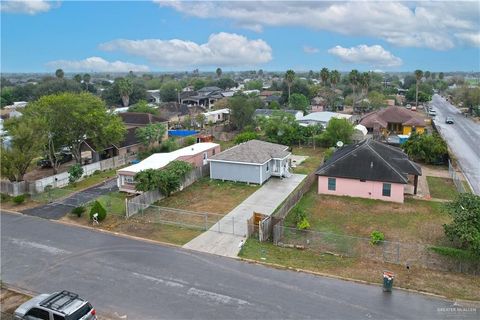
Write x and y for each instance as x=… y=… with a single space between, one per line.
x=156 y=36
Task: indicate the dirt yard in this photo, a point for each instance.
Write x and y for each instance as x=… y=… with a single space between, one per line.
x=9 y=301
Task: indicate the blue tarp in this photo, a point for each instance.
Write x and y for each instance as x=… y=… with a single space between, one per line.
x=181 y=133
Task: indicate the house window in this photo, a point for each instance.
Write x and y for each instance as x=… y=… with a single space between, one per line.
x=213 y=152
x=268 y=166
x=387 y=190
x=332 y=184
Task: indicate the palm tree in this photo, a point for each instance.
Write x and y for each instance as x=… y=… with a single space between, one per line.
x=353 y=79
x=427 y=75
x=125 y=88
x=86 y=78
x=59 y=73
x=365 y=82
x=218 y=72
x=289 y=78
x=324 y=75
x=441 y=75
x=418 y=76
x=334 y=78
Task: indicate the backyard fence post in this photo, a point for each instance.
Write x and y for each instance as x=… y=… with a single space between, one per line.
x=233 y=225
x=206 y=221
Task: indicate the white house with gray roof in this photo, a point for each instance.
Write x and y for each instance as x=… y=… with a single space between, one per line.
x=253 y=161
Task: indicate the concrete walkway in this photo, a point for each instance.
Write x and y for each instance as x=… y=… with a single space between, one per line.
x=224 y=238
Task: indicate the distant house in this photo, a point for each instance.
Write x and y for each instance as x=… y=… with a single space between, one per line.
x=205 y=97
x=321 y=118
x=253 y=161
x=216 y=116
x=369 y=169
x=130 y=144
x=175 y=112
x=196 y=154
x=17 y=105
x=269 y=99
x=394 y=120
x=153 y=96
x=298 y=114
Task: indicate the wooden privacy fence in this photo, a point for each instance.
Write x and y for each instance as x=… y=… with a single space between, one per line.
x=295 y=196
x=61 y=179
x=144 y=200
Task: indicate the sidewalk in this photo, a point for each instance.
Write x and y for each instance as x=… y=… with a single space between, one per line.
x=224 y=238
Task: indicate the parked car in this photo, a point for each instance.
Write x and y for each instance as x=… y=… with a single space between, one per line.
x=413 y=108
x=62 y=305
x=409 y=106
x=449 y=120
x=432 y=113
x=63 y=157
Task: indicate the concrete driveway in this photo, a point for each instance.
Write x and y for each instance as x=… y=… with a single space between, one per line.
x=224 y=238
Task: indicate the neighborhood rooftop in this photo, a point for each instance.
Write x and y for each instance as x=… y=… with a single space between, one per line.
x=392 y=115
x=370 y=160
x=140 y=118
x=160 y=160
x=253 y=151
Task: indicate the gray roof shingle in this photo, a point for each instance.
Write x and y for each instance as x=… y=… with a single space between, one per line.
x=253 y=151
x=370 y=160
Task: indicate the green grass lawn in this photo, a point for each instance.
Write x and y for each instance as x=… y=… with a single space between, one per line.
x=113 y=202
x=442 y=188
x=413 y=221
x=311 y=164
x=212 y=196
x=451 y=285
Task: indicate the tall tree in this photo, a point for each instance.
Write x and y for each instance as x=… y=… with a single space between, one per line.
x=365 y=82
x=27 y=140
x=334 y=78
x=427 y=75
x=289 y=78
x=324 y=74
x=151 y=134
x=418 y=77
x=433 y=75
x=86 y=78
x=77 y=78
x=71 y=118
x=59 y=74
x=441 y=75
x=353 y=78
x=218 y=72
x=298 y=102
x=125 y=88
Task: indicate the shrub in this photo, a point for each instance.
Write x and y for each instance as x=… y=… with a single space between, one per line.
x=299 y=214
x=188 y=141
x=168 y=146
x=328 y=154
x=245 y=136
x=19 y=199
x=75 y=172
x=97 y=172
x=78 y=211
x=455 y=253
x=98 y=208
x=303 y=224
x=5 y=197
x=376 y=237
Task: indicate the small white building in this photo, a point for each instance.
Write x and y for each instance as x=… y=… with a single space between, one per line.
x=196 y=154
x=321 y=118
x=17 y=105
x=216 y=115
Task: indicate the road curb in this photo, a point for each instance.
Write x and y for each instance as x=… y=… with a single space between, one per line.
x=282 y=267
x=122 y=235
x=11 y=211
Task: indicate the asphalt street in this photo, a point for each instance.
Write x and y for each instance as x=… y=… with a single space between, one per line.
x=59 y=208
x=463 y=138
x=141 y=280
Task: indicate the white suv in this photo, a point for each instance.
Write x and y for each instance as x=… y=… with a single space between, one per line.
x=62 y=305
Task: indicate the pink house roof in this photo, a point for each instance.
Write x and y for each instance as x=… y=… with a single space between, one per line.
x=392 y=115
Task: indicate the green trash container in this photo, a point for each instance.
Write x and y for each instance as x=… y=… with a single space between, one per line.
x=388 y=281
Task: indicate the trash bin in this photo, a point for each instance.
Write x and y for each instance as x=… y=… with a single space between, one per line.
x=387 y=281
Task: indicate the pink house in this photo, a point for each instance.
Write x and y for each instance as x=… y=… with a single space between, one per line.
x=369 y=169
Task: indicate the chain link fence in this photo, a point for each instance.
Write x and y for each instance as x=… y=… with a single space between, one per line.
x=411 y=254
x=456 y=179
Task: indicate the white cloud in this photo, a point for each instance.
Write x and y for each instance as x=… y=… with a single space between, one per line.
x=375 y=55
x=96 y=64
x=472 y=39
x=221 y=49
x=310 y=50
x=27 y=6
x=431 y=24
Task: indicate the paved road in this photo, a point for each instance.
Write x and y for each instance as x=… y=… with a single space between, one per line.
x=57 y=209
x=224 y=237
x=147 y=281
x=463 y=138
